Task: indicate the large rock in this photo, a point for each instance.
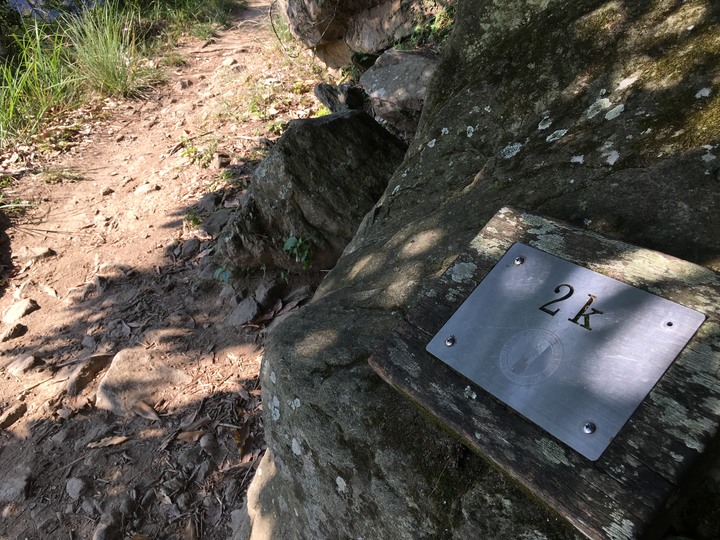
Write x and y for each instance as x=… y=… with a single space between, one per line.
x=336 y=29
x=316 y=185
x=396 y=85
x=604 y=114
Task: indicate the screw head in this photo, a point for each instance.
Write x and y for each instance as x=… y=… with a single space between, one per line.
x=450 y=341
x=518 y=261
x=589 y=428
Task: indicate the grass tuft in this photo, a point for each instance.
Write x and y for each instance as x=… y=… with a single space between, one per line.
x=106 y=49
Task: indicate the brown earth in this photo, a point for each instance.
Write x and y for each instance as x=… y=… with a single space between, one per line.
x=114 y=253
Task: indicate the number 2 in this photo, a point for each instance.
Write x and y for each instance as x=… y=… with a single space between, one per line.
x=544 y=307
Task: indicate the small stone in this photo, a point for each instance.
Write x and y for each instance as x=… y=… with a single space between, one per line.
x=229 y=62
x=12 y=414
x=89 y=342
x=19 y=310
x=220 y=161
x=146 y=188
x=16 y=488
x=216 y=221
x=268 y=292
x=190 y=248
x=208 y=202
x=84 y=374
x=107 y=191
x=245 y=312
x=22 y=364
x=75 y=487
x=36 y=253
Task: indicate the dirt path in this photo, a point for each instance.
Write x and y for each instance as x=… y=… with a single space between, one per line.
x=116 y=256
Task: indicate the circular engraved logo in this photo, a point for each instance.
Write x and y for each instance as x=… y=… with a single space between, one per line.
x=531 y=356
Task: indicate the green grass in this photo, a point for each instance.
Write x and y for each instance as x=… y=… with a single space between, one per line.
x=39 y=81
x=103 y=50
x=106 y=47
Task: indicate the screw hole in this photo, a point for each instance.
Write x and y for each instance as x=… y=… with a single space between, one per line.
x=518 y=261
x=669 y=324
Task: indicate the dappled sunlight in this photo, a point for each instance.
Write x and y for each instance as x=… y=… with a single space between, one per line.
x=421 y=243
x=317 y=342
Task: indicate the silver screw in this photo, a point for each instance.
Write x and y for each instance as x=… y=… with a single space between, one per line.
x=518 y=261
x=589 y=428
x=450 y=341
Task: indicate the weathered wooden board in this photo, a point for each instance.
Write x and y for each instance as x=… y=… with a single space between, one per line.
x=628 y=493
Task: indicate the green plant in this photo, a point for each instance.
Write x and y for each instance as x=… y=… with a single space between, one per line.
x=106 y=47
x=193 y=218
x=222 y=273
x=299 y=249
x=38 y=81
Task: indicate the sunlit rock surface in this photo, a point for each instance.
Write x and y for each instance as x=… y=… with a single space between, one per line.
x=602 y=113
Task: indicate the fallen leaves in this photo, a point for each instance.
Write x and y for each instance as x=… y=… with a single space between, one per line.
x=109 y=441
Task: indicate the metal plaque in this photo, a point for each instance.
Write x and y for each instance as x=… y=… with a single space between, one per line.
x=570 y=349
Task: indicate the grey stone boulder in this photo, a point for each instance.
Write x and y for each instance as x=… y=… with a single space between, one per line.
x=396 y=84
x=316 y=185
x=604 y=114
x=337 y=29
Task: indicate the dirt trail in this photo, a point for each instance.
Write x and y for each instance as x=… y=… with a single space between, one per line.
x=114 y=255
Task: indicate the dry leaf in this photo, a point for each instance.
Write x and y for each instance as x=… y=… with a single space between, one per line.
x=191 y=436
x=244 y=393
x=108 y=441
x=146 y=411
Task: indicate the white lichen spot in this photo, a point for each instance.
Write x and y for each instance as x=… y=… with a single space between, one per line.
x=531 y=66
x=296 y=447
x=478 y=436
x=613 y=113
x=462 y=272
x=444 y=131
x=396 y=190
x=612 y=157
x=597 y=107
x=703 y=93
x=553 y=452
x=511 y=150
x=620 y=527
x=556 y=135
x=341 y=484
x=708 y=157
x=544 y=123
x=273 y=378
x=296 y=512
x=275 y=408
x=431 y=143
x=580 y=159
x=587 y=222
x=627 y=82
x=470 y=131
x=404 y=173
x=488 y=108
x=294 y=404
x=476 y=109
x=468 y=393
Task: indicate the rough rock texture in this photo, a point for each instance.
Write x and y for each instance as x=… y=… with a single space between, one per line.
x=396 y=85
x=136 y=375
x=316 y=185
x=336 y=29
x=604 y=114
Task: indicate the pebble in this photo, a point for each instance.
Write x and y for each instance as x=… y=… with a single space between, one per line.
x=22 y=364
x=12 y=414
x=75 y=487
x=19 y=310
x=15 y=488
x=245 y=311
x=146 y=188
